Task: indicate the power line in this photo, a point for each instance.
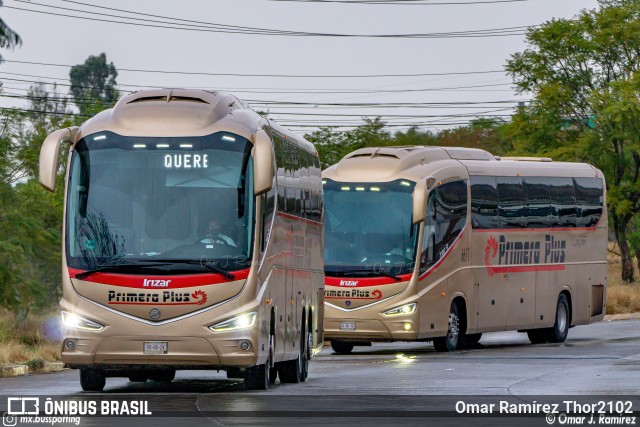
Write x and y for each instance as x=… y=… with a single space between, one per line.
x=403 y=2
x=220 y=28
x=319 y=91
x=288 y=76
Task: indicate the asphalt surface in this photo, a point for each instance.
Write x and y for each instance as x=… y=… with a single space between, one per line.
x=376 y=385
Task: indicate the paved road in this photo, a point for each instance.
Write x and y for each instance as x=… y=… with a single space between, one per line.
x=600 y=359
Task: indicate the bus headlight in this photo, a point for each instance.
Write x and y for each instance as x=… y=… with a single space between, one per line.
x=74 y=321
x=402 y=310
x=244 y=321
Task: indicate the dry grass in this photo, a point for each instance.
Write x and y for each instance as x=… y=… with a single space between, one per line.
x=621 y=297
x=27 y=342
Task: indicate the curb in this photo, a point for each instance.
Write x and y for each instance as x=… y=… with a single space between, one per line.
x=15 y=370
x=625 y=316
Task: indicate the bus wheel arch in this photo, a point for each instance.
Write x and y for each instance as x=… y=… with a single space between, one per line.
x=560 y=329
x=456 y=329
x=273 y=371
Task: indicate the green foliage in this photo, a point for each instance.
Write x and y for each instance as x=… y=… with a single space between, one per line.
x=31 y=218
x=93 y=85
x=583 y=74
x=8 y=38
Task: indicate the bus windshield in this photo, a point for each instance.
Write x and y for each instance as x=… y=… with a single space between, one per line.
x=368 y=228
x=177 y=204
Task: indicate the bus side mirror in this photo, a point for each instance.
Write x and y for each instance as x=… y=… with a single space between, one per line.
x=50 y=156
x=262 y=163
x=419 y=202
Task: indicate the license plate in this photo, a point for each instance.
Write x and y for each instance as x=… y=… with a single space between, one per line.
x=156 y=347
x=347 y=326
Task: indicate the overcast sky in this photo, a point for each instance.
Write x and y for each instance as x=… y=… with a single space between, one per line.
x=49 y=38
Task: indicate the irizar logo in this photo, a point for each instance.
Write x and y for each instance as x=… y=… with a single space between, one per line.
x=350 y=283
x=151 y=283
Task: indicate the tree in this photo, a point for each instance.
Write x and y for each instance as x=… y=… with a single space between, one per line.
x=93 y=85
x=583 y=75
x=9 y=39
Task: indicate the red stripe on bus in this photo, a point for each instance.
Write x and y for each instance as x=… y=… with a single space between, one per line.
x=156 y=303
x=527 y=268
x=297 y=218
x=520 y=230
x=362 y=282
x=176 y=281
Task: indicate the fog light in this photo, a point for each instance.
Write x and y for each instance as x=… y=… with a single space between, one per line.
x=70 y=345
x=407 y=326
x=245 y=345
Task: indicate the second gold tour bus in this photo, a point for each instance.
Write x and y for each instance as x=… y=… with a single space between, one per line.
x=192 y=240
x=443 y=244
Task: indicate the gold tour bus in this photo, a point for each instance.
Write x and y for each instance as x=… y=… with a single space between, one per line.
x=443 y=244
x=192 y=240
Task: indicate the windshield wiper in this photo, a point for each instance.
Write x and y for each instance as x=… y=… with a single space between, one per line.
x=211 y=267
x=365 y=270
x=114 y=267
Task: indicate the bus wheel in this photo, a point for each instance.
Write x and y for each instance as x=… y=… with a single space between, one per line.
x=472 y=339
x=92 y=379
x=163 y=376
x=560 y=329
x=306 y=351
x=537 y=336
x=257 y=377
x=291 y=371
x=450 y=341
x=273 y=371
x=138 y=377
x=341 y=347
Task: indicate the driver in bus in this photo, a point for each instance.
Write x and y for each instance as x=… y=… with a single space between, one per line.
x=214 y=235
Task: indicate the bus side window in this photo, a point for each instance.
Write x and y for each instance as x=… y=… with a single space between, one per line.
x=538 y=202
x=563 y=202
x=427 y=256
x=589 y=201
x=512 y=212
x=445 y=219
x=484 y=202
x=267 y=216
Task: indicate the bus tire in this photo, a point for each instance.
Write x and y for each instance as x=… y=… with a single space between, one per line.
x=472 y=339
x=290 y=372
x=537 y=336
x=92 y=379
x=453 y=340
x=257 y=377
x=341 y=347
x=138 y=377
x=558 y=333
x=163 y=376
x=304 y=346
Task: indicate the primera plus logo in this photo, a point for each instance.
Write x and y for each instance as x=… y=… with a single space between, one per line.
x=522 y=256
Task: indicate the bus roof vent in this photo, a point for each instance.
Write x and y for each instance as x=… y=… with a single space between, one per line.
x=170 y=98
x=371 y=155
x=528 y=159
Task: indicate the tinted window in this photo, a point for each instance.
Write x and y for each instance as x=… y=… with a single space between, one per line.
x=512 y=211
x=537 y=202
x=589 y=201
x=484 y=202
x=446 y=216
x=563 y=202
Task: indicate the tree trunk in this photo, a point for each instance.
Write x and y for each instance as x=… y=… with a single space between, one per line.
x=620 y=225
